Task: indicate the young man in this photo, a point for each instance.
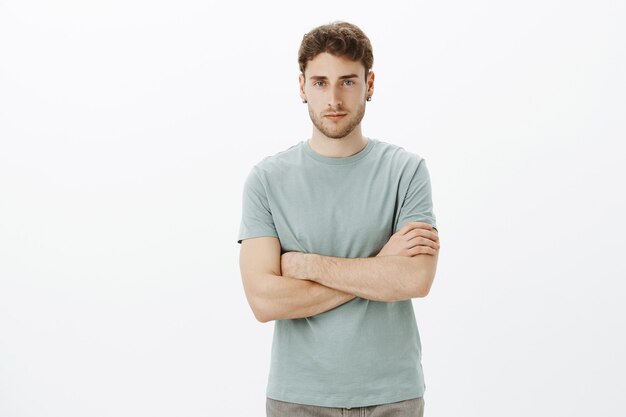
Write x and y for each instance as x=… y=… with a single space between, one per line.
x=337 y=236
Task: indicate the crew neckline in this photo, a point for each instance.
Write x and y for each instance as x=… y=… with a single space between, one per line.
x=339 y=160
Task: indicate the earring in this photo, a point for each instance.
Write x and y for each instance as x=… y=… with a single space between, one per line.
x=369 y=98
x=304 y=101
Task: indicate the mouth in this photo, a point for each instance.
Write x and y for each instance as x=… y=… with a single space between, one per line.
x=335 y=116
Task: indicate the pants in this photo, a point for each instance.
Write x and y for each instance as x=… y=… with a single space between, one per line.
x=409 y=408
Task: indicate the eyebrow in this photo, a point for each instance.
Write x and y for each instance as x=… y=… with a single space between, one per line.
x=322 y=77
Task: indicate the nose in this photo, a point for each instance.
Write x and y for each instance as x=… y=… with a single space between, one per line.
x=334 y=101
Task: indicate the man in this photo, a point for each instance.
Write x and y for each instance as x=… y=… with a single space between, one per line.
x=337 y=236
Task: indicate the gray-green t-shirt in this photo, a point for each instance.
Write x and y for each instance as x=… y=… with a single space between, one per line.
x=363 y=352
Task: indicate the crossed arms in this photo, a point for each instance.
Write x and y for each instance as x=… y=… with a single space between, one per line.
x=297 y=285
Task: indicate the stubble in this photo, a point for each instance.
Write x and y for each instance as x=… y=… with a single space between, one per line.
x=341 y=129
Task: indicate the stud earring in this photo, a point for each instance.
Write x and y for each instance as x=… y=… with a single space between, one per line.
x=304 y=101
x=369 y=98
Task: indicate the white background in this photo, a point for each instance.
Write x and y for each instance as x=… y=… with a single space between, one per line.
x=127 y=129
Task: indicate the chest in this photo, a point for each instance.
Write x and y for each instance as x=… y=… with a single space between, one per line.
x=340 y=213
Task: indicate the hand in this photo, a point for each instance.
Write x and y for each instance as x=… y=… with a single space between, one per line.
x=295 y=265
x=412 y=239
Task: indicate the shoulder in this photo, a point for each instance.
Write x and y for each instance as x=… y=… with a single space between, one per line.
x=280 y=161
x=397 y=155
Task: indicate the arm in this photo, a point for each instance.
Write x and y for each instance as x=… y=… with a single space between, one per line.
x=275 y=297
x=381 y=278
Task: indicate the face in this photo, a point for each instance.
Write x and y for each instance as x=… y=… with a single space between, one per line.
x=336 y=91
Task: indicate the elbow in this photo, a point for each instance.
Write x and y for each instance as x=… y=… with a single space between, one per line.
x=422 y=291
x=426 y=274
x=261 y=318
x=256 y=299
x=421 y=274
x=260 y=314
x=425 y=282
x=258 y=307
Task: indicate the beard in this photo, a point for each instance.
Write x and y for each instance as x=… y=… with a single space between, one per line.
x=341 y=128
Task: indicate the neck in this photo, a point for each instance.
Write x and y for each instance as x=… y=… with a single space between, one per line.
x=343 y=147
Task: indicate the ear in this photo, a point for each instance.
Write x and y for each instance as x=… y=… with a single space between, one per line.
x=370 y=83
x=301 y=81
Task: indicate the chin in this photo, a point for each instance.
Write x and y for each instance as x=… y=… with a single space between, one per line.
x=336 y=136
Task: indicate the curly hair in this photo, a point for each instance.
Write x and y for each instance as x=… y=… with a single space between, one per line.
x=341 y=39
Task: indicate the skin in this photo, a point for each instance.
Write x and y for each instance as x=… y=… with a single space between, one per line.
x=298 y=285
x=396 y=273
x=327 y=92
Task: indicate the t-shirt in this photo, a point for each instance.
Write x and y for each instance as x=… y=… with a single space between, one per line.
x=362 y=352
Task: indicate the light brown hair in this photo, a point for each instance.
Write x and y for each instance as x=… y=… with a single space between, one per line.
x=341 y=39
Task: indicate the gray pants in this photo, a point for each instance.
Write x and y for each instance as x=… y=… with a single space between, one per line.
x=408 y=408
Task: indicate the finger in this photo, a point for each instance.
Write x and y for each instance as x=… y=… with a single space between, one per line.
x=413 y=225
x=431 y=234
x=421 y=241
x=423 y=233
x=424 y=250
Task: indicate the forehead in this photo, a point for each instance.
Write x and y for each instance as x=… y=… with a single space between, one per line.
x=331 y=66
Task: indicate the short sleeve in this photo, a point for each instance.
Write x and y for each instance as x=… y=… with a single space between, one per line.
x=256 y=216
x=417 y=205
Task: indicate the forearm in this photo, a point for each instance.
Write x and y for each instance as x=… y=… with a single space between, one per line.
x=383 y=278
x=281 y=298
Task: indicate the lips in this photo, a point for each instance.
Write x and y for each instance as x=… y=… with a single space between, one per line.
x=335 y=116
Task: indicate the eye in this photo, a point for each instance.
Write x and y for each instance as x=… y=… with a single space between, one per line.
x=348 y=82
x=318 y=83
